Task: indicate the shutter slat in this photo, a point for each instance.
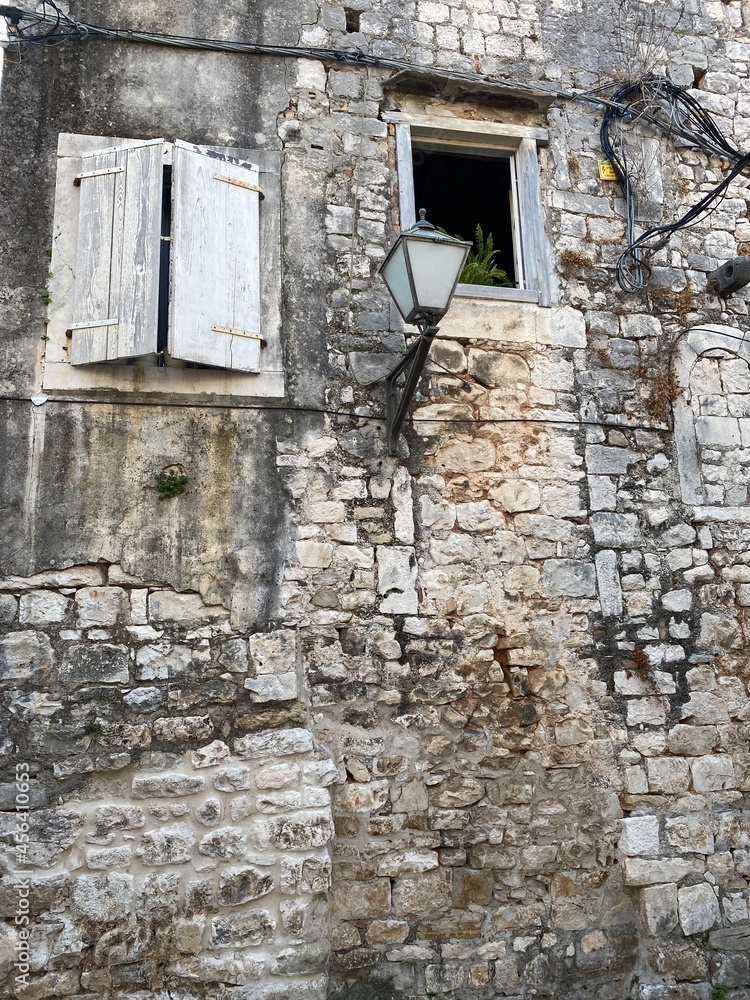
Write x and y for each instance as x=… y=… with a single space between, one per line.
x=215 y=261
x=117 y=258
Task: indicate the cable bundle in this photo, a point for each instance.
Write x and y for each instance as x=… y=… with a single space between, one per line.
x=656 y=102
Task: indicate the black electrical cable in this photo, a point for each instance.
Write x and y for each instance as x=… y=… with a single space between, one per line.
x=334 y=413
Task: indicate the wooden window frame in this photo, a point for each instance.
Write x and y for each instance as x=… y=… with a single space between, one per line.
x=519 y=143
x=121 y=376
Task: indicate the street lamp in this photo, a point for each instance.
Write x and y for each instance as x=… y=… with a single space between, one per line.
x=421 y=272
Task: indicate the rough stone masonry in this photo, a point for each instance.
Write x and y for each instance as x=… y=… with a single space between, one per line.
x=471 y=721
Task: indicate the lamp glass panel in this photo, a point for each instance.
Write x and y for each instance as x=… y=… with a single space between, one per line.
x=396 y=277
x=435 y=267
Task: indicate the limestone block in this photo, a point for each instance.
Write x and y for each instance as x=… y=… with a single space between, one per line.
x=659 y=908
x=297 y=832
x=455 y=549
x=168 y=845
x=721 y=631
x=101 y=606
x=397 y=574
x=643 y=871
x=616 y=531
x=705 y=709
x=276 y=743
x=407 y=862
x=210 y=755
x=456 y=792
x=690 y=834
x=119 y=817
x=387 y=932
x=602 y=460
x=636 y=780
x=368 y=796
x=279 y=687
x=273 y=652
x=465 y=456
x=326 y=512
x=602 y=493
x=143 y=699
x=608 y=579
x=692 y=741
x=731 y=938
x=640 y=325
x=437 y=515
x=403 y=506
x=516 y=495
x=640 y=836
x=479 y=516
x=232 y=779
x=428 y=893
x=74 y=576
x=185 y=727
x=712 y=773
x=698 y=908
x=646 y=711
x=109 y=857
x=568 y=578
x=166 y=785
x=105 y=899
x=241 y=930
x=362 y=900
x=677 y=600
x=721 y=431
x=499 y=369
x=42 y=607
x=168 y=606
x=234 y=656
x=277 y=775
x=24 y=654
x=209 y=812
x=573 y=732
x=668 y=775
x=224 y=843
x=95 y=663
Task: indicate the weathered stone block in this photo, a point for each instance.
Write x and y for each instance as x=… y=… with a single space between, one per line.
x=43 y=607
x=242 y=930
x=429 y=893
x=95 y=663
x=277 y=776
x=272 y=687
x=102 y=899
x=659 y=908
x=292 y=833
x=209 y=813
x=168 y=606
x=109 y=857
x=456 y=792
x=397 y=574
x=668 y=774
x=362 y=900
x=232 y=779
x=210 y=755
x=646 y=711
x=616 y=531
x=273 y=652
x=182 y=728
x=278 y=743
x=101 y=606
x=712 y=773
x=119 y=817
x=225 y=843
x=238 y=886
x=640 y=836
x=640 y=871
x=698 y=908
x=169 y=845
x=692 y=741
x=568 y=578
x=690 y=834
x=24 y=654
x=166 y=785
x=573 y=732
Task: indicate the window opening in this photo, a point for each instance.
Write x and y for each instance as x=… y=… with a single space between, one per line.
x=462 y=190
x=165 y=252
x=352 y=20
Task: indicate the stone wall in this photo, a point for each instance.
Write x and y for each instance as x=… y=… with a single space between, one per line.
x=471 y=721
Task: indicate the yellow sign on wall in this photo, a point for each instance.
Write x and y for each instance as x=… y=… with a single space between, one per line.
x=606 y=171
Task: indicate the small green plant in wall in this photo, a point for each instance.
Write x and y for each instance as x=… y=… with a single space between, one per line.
x=719 y=993
x=170 y=482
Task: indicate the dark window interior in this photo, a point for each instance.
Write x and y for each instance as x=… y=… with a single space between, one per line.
x=459 y=191
x=166 y=229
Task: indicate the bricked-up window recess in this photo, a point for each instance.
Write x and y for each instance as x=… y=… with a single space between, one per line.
x=473 y=173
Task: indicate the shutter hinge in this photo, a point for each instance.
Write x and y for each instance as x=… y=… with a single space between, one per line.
x=239 y=184
x=237 y=332
x=90 y=324
x=97 y=173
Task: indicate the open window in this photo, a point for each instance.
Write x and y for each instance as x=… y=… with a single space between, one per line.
x=468 y=174
x=165 y=260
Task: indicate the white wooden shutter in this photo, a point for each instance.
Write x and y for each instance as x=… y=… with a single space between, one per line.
x=117 y=258
x=214 y=316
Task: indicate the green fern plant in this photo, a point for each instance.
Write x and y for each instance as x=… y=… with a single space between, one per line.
x=480 y=268
x=170 y=483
